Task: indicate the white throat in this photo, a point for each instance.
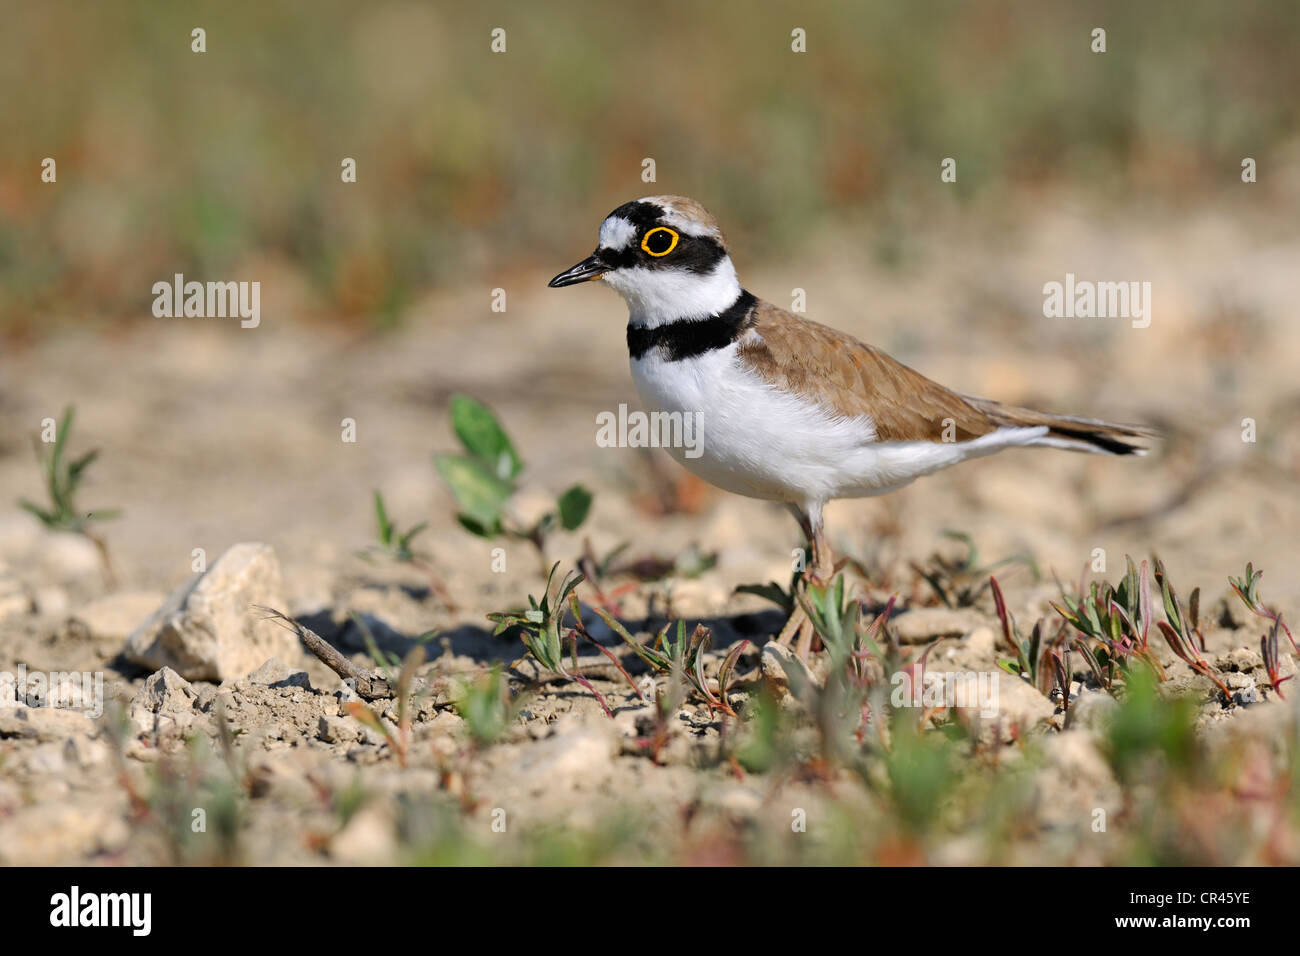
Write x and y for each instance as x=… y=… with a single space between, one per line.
x=658 y=296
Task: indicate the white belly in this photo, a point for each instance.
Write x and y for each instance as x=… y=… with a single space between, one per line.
x=761 y=442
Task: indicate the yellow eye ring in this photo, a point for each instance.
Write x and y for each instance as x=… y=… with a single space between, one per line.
x=645 y=242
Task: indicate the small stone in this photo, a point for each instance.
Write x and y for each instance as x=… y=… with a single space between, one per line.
x=1239 y=659
x=1019 y=707
x=924 y=624
x=336 y=730
x=779 y=665
x=165 y=691
x=66 y=557
x=275 y=673
x=1092 y=709
x=208 y=628
x=165 y=701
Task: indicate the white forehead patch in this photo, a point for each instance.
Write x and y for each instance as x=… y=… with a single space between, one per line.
x=616 y=233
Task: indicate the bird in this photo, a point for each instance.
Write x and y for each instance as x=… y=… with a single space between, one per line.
x=791 y=410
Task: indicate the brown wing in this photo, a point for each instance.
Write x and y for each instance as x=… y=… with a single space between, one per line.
x=851 y=378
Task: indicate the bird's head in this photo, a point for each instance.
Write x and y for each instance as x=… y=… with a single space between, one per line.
x=666 y=256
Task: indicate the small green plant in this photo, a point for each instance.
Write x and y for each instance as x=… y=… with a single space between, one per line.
x=63 y=478
x=543 y=631
x=1118 y=620
x=1180 y=628
x=396 y=545
x=1035 y=656
x=1247 y=588
x=1149 y=737
x=484 y=705
x=485 y=477
x=399 y=742
x=1268 y=651
x=960 y=582
x=668 y=655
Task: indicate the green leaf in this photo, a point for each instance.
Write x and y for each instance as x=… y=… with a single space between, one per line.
x=381 y=519
x=481 y=434
x=480 y=494
x=45 y=517
x=771 y=591
x=574 y=505
x=478 y=528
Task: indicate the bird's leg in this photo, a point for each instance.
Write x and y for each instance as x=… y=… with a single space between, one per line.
x=822 y=571
x=798 y=630
x=820 y=574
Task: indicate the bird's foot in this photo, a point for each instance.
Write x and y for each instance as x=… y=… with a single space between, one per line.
x=798 y=632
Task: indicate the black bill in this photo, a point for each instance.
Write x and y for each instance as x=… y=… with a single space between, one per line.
x=586 y=270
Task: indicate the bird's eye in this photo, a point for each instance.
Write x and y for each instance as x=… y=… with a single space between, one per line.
x=659 y=241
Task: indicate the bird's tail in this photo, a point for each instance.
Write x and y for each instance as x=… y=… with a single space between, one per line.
x=1071 y=433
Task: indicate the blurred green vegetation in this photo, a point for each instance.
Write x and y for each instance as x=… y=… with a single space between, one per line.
x=473 y=164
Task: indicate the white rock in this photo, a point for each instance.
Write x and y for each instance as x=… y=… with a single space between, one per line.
x=207 y=629
x=783 y=670
x=62 y=556
x=1093 y=709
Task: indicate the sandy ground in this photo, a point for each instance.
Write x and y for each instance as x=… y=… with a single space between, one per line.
x=212 y=435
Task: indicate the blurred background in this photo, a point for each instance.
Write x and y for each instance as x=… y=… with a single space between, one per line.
x=479 y=170
x=475 y=167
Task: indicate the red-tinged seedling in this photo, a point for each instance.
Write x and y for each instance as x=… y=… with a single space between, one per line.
x=399 y=742
x=1119 y=619
x=1179 y=631
x=665 y=653
x=1247 y=588
x=1061 y=671
x=485 y=477
x=544 y=633
x=1268 y=651
x=1033 y=653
